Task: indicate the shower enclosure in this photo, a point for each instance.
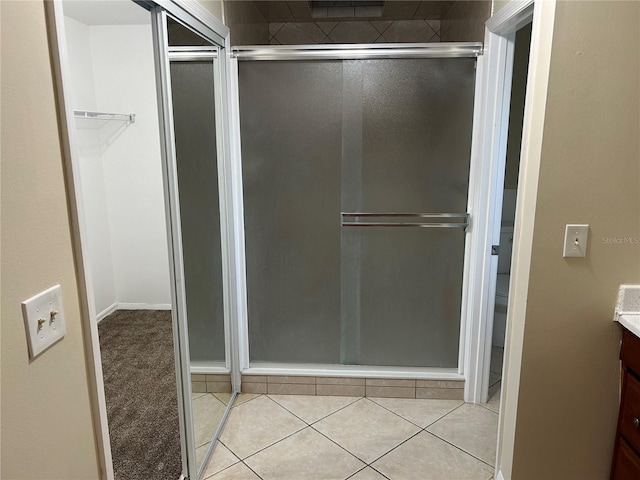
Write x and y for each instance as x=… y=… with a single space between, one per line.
x=355 y=178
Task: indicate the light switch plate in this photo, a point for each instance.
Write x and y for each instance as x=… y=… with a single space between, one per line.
x=44 y=320
x=575 y=241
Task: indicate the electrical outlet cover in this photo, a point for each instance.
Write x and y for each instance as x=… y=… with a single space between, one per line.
x=44 y=320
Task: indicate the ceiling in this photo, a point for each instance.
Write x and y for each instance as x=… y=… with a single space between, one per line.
x=106 y=12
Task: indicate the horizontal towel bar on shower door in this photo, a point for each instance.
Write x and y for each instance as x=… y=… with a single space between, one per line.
x=416 y=224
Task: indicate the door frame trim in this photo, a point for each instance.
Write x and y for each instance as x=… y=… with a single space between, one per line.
x=490 y=147
x=86 y=296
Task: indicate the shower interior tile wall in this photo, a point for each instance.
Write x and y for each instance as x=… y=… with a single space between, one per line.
x=331 y=386
x=353 y=386
x=373 y=31
x=292 y=22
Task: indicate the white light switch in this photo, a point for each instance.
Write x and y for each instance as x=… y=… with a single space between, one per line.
x=44 y=320
x=575 y=241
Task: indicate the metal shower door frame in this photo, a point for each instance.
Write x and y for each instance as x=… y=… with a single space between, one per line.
x=349 y=52
x=219 y=36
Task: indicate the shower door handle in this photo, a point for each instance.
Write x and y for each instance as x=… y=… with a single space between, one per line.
x=415 y=220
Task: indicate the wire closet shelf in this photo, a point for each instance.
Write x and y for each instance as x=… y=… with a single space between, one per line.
x=122 y=117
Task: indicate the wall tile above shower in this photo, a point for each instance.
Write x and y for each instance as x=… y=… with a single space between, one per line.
x=464 y=21
x=375 y=31
x=296 y=34
x=398 y=21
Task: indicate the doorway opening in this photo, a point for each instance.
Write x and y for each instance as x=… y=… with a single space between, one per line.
x=509 y=196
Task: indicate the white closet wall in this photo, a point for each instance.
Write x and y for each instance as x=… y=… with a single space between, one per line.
x=112 y=71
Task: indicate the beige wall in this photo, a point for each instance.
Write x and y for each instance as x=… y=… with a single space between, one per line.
x=214 y=6
x=589 y=173
x=46 y=421
x=499 y=4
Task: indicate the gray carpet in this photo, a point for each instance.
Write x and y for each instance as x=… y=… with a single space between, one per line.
x=140 y=388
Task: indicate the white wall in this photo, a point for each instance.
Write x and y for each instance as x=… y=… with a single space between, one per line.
x=93 y=185
x=113 y=71
x=132 y=163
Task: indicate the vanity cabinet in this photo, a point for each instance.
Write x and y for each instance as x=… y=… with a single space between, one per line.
x=626 y=455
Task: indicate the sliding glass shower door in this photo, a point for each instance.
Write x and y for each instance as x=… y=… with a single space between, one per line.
x=291 y=126
x=355 y=187
x=192 y=88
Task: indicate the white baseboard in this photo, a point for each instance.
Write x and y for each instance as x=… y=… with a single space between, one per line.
x=107 y=311
x=131 y=306
x=144 y=306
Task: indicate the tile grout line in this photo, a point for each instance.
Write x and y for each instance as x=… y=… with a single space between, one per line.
x=368 y=464
x=448 y=10
x=278 y=31
x=435 y=421
x=483 y=405
x=272 y=444
x=225 y=468
x=452 y=444
x=364 y=468
x=289 y=411
x=416 y=11
x=332 y=28
x=306 y=425
x=378 y=471
x=258 y=395
x=351 y=476
x=322 y=418
x=340 y=446
x=430 y=28
x=384 y=29
x=256 y=473
x=459 y=448
x=394 y=448
x=333 y=441
x=290 y=11
x=439 y=418
x=396 y=414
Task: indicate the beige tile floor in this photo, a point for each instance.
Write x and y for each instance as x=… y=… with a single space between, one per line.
x=208 y=409
x=295 y=437
x=495 y=373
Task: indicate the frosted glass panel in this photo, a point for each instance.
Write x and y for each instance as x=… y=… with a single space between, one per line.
x=368 y=136
x=416 y=134
x=403 y=298
x=408 y=148
x=291 y=126
x=192 y=85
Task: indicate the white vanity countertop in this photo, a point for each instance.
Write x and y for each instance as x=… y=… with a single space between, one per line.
x=628 y=308
x=630 y=321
